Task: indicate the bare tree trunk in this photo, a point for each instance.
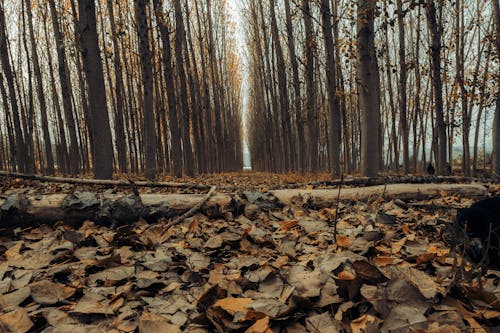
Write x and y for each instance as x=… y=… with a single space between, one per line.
x=120 y=93
x=301 y=147
x=496 y=121
x=21 y=149
x=102 y=149
x=435 y=32
x=180 y=49
x=284 y=99
x=147 y=81
x=333 y=100
x=402 y=89
x=368 y=89
x=311 y=126
x=49 y=159
x=169 y=81
x=74 y=157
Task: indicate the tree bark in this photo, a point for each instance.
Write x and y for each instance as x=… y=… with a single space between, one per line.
x=102 y=149
x=74 y=157
x=333 y=99
x=435 y=31
x=21 y=150
x=368 y=89
x=147 y=85
x=402 y=89
x=311 y=126
x=496 y=121
x=180 y=51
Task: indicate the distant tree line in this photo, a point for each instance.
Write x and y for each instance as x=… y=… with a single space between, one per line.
x=368 y=86
x=128 y=86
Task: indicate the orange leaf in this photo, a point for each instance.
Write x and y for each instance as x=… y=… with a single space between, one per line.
x=233 y=305
x=193 y=226
x=426 y=257
x=342 y=241
x=384 y=261
x=287 y=225
x=346 y=276
x=260 y=326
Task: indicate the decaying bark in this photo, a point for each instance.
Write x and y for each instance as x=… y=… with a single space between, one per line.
x=29 y=210
x=106 y=208
x=395 y=191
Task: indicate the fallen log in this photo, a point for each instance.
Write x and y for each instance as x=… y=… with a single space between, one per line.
x=325 y=198
x=23 y=210
x=103 y=182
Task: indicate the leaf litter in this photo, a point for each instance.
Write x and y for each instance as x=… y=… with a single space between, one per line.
x=274 y=268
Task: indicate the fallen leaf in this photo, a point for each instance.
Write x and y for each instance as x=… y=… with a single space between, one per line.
x=16 y=321
x=260 y=326
x=48 y=293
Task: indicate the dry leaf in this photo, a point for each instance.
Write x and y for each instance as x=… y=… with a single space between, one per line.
x=260 y=326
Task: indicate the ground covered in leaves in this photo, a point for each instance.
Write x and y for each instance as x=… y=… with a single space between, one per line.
x=272 y=268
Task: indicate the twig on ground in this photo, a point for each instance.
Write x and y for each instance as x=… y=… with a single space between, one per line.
x=192 y=211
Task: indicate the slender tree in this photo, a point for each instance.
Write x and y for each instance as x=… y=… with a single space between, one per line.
x=367 y=69
x=102 y=148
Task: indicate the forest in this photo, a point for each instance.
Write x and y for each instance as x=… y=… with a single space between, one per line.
x=257 y=166
x=184 y=87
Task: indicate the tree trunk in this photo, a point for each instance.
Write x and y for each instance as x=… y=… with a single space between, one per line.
x=21 y=150
x=101 y=139
x=496 y=121
x=368 y=89
x=333 y=100
x=171 y=96
x=435 y=32
x=283 y=92
x=120 y=93
x=402 y=89
x=49 y=159
x=74 y=157
x=147 y=85
x=299 y=121
x=180 y=50
x=311 y=126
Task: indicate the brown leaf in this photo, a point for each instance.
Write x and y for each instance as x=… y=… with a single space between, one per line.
x=342 y=241
x=234 y=305
x=260 y=326
x=48 y=293
x=153 y=323
x=16 y=321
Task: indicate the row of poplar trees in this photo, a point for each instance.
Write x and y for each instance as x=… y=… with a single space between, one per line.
x=130 y=86
x=368 y=86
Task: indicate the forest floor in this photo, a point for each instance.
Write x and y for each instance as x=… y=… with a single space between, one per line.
x=375 y=265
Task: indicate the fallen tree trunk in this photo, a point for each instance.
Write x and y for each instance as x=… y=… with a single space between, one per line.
x=393 y=191
x=103 y=182
x=106 y=208
x=26 y=210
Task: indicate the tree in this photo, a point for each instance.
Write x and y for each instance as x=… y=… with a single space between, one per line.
x=496 y=121
x=74 y=157
x=333 y=100
x=435 y=31
x=147 y=87
x=368 y=88
x=402 y=88
x=102 y=147
x=21 y=149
